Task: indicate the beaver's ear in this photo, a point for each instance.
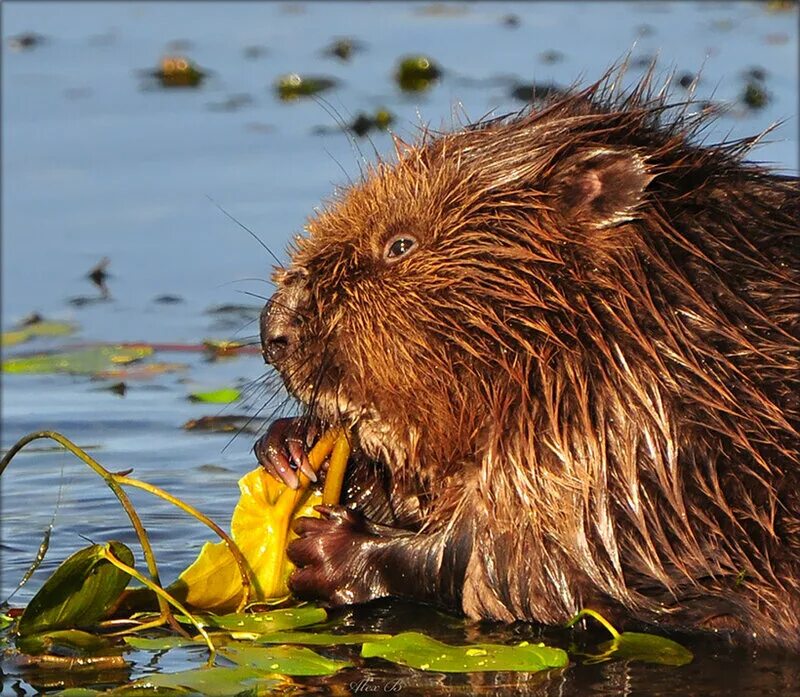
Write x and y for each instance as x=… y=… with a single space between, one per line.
x=601 y=187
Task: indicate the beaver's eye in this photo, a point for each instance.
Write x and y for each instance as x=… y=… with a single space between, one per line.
x=398 y=246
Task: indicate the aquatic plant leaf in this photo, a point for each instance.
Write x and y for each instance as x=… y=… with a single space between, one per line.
x=226 y=423
x=215 y=682
x=79 y=592
x=648 y=648
x=319 y=638
x=179 y=71
x=260 y=529
x=635 y=645
x=417 y=73
x=42 y=328
x=293 y=86
x=224 y=396
x=221 y=348
x=87 y=361
x=286 y=660
x=421 y=652
x=161 y=643
x=72 y=641
x=267 y=622
x=141 y=371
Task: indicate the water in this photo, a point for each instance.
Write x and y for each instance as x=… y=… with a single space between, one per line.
x=97 y=163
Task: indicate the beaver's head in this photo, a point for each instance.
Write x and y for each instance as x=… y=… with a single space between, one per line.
x=423 y=292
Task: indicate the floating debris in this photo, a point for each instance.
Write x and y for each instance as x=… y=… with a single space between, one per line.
x=178 y=71
x=551 y=56
x=755 y=96
x=362 y=123
x=293 y=86
x=781 y=5
x=343 y=48
x=687 y=80
x=98 y=275
x=643 y=62
x=756 y=73
x=230 y=423
x=417 y=73
x=117 y=388
x=537 y=91
x=26 y=41
x=84 y=300
x=168 y=299
x=35 y=326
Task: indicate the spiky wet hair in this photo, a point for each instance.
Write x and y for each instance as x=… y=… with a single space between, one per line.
x=597 y=326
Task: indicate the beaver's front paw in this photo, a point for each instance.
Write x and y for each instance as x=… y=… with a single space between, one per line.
x=334 y=558
x=282 y=450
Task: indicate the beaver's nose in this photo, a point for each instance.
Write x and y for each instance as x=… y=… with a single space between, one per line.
x=278 y=333
x=281 y=319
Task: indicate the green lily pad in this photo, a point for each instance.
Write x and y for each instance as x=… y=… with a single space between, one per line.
x=79 y=592
x=266 y=622
x=319 y=638
x=286 y=660
x=636 y=645
x=86 y=361
x=179 y=71
x=293 y=86
x=72 y=642
x=160 y=643
x=417 y=73
x=39 y=328
x=140 y=371
x=214 y=682
x=648 y=648
x=420 y=651
x=226 y=395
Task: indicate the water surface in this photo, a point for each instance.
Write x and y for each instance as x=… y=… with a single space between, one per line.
x=98 y=163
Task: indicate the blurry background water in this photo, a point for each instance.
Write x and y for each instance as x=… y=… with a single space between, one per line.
x=99 y=161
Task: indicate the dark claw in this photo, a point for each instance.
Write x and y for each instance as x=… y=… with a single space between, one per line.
x=299 y=459
x=278 y=455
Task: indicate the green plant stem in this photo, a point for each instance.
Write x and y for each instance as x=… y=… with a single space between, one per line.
x=161 y=593
x=109 y=479
x=597 y=616
x=244 y=568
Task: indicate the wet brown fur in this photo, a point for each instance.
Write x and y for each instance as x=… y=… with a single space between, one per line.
x=589 y=366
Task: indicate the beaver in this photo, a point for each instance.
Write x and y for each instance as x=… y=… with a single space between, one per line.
x=566 y=342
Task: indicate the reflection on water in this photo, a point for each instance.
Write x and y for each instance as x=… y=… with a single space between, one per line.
x=99 y=163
